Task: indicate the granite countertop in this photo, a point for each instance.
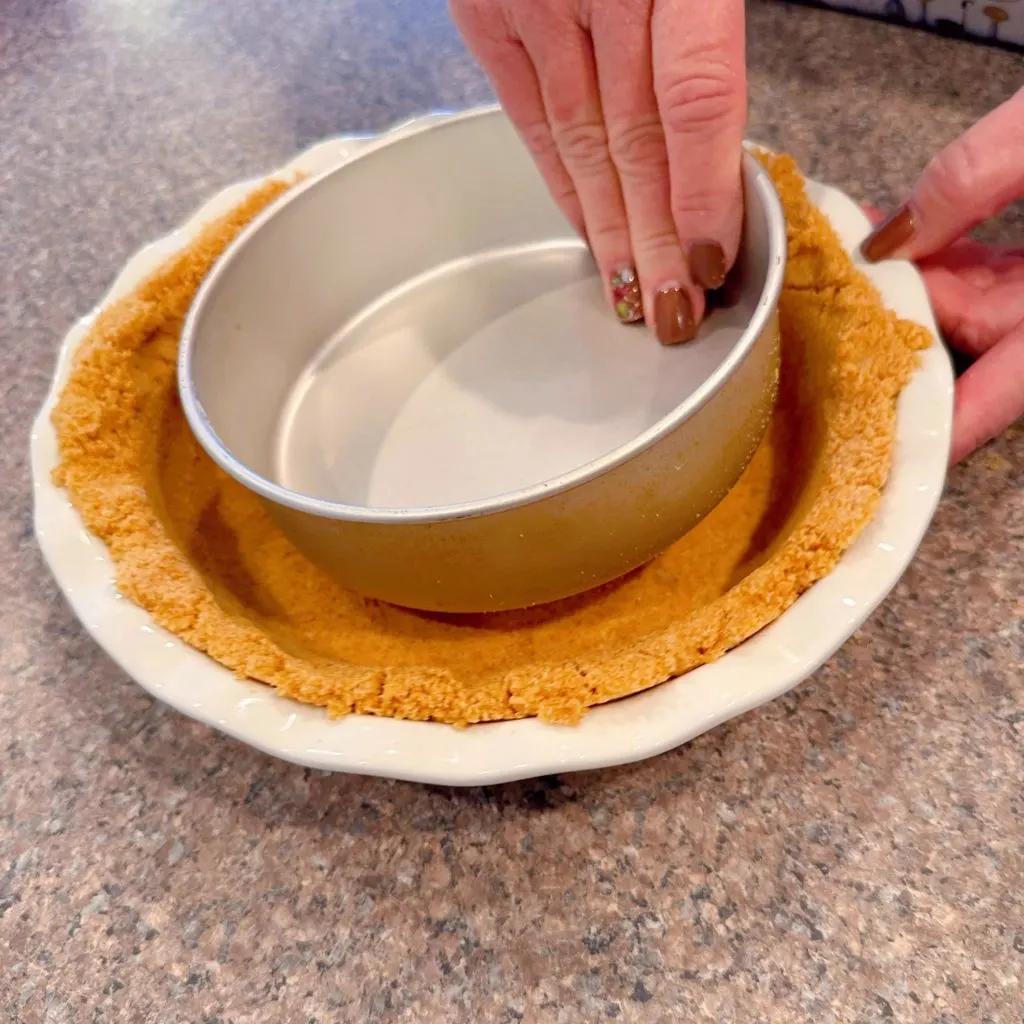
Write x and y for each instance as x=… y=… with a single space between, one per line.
x=851 y=853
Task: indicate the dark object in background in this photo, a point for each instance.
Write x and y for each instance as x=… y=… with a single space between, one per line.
x=1000 y=23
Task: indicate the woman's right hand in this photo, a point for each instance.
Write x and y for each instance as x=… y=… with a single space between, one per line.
x=977 y=290
x=634 y=111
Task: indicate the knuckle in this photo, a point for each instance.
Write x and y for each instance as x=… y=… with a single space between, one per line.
x=697 y=205
x=965 y=333
x=538 y=140
x=605 y=221
x=537 y=137
x=583 y=145
x=953 y=174
x=472 y=16
x=607 y=227
x=638 y=148
x=661 y=247
x=607 y=239
x=701 y=97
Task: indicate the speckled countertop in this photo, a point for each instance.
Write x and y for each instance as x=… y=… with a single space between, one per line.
x=851 y=853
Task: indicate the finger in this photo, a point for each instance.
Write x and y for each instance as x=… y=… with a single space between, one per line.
x=969 y=181
x=874 y=214
x=563 y=56
x=699 y=60
x=511 y=73
x=989 y=395
x=977 y=292
x=636 y=143
x=984 y=266
x=973 y=321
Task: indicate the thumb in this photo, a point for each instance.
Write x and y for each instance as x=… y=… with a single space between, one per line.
x=968 y=182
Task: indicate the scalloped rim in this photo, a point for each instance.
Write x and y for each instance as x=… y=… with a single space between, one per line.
x=648 y=723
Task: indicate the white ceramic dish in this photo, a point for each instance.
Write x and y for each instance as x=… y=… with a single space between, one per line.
x=641 y=726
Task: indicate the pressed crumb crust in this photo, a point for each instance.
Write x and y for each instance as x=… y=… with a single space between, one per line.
x=198 y=552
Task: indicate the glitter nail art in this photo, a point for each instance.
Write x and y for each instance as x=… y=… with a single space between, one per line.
x=629 y=305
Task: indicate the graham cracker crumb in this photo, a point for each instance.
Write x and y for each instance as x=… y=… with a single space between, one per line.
x=197 y=551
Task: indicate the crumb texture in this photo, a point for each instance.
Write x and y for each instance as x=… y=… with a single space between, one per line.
x=198 y=552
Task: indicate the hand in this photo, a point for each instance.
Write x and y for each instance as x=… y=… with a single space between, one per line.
x=634 y=111
x=977 y=290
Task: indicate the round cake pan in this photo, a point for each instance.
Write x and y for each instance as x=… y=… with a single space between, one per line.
x=409 y=359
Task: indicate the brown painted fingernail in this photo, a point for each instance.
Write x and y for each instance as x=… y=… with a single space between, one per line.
x=707 y=263
x=673 y=315
x=890 y=236
x=629 y=304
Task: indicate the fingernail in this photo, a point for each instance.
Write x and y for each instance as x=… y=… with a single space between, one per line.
x=673 y=315
x=707 y=263
x=890 y=236
x=629 y=304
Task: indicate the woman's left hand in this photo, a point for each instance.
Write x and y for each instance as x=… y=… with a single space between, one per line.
x=978 y=295
x=977 y=290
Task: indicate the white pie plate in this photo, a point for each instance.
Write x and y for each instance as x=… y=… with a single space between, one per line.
x=764 y=667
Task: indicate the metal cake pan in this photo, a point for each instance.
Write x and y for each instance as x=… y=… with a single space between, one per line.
x=410 y=361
